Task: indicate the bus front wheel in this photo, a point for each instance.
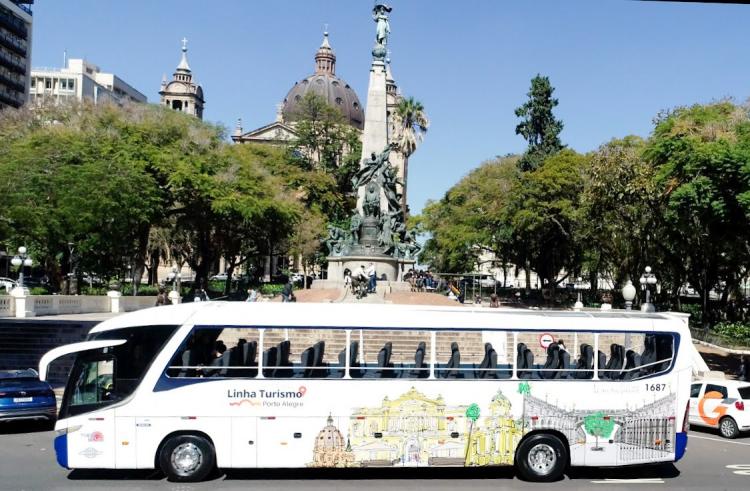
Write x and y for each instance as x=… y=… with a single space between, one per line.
x=541 y=458
x=187 y=458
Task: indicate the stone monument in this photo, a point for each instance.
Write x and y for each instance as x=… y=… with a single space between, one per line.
x=377 y=233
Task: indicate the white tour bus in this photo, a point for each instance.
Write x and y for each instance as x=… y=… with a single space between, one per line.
x=190 y=388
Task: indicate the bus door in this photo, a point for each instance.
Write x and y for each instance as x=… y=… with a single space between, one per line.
x=286 y=441
x=244 y=442
x=91 y=444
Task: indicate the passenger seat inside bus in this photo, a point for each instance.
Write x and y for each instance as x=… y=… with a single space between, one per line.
x=454 y=363
x=632 y=361
x=283 y=365
x=307 y=362
x=249 y=353
x=421 y=370
x=552 y=363
x=564 y=364
x=524 y=361
x=488 y=367
x=269 y=361
x=354 y=371
x=649 y=354
x=384 y=361
x=616 y=359
x=319 y=350
x=585 y=365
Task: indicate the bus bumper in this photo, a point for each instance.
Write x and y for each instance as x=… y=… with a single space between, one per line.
x=61 y=450
x=681 y=445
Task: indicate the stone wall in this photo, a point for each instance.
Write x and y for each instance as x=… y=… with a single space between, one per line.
x=22 y=344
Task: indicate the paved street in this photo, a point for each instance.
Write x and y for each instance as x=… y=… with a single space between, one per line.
x=27 y=463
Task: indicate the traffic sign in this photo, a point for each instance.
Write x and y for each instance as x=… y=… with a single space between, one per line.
x=545 y=340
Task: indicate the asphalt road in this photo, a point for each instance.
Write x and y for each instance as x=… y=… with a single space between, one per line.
x=27 y=463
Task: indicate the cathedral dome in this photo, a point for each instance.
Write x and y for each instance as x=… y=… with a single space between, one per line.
x=326 y=84
x=329 y=438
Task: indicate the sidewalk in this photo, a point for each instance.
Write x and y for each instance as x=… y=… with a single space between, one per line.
x=720 y=360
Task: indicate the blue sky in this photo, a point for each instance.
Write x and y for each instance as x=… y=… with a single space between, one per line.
x=615 y=63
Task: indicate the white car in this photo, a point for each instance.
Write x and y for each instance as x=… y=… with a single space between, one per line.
x=7 y=283
x=722 y=404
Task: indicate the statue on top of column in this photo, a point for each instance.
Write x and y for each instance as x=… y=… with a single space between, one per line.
x=380 y=15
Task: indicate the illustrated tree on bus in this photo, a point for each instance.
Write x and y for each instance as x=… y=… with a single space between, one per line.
x=472 y=412
x=599 y=426
x=525 y=390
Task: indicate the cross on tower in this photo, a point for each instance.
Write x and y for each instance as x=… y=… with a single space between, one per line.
x=184 y=44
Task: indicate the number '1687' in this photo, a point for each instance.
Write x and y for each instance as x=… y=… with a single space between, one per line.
x=656 y=387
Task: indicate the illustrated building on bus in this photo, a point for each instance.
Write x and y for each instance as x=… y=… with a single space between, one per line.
x=331 y=450
x=412 y=429
x=494 y=441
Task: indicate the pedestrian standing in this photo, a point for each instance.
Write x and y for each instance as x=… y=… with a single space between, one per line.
x=287 y=292
x=161 y=298
x=372 y=276
x=252 y=295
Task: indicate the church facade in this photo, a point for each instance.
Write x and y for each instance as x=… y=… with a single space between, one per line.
x=182 y=93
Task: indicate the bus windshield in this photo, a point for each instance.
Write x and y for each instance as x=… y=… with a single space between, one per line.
x=102 y=377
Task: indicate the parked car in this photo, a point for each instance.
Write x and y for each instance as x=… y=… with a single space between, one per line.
x=8 y=284
x=721 y=404
x=219 y=277
x=24 y=396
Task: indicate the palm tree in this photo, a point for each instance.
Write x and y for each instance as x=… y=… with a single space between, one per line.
x=411 y=127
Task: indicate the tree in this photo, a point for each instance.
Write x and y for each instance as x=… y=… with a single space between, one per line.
x=599 y=426
x=411 y=125
x=621 y=207
x=469 y=220
x=546 y=216
x=328 y=146
x=703 y=180
x=539 y=127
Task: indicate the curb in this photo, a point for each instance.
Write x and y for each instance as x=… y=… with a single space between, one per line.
x=728 y=350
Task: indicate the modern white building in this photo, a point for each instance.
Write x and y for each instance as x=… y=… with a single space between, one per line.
x=81 y=80
x=15 y=52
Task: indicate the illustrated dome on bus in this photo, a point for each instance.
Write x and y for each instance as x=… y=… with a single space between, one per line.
x=331 y=449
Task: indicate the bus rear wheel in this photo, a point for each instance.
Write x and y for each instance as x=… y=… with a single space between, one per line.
x=541 y=458
x=187 y=458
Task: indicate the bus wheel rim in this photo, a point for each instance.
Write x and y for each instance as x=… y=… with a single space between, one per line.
x=542 y=459
x=186 y=458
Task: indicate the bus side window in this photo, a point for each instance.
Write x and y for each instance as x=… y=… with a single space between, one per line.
x=471 y=355
x=217 y=352
x=303 y=353
x=391 y=354
x=657 y=355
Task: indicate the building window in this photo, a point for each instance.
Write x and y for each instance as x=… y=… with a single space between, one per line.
x=339 y=101
x=47 y=83
x=33 y=83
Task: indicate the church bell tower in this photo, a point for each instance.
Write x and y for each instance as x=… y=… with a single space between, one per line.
x=182 y=93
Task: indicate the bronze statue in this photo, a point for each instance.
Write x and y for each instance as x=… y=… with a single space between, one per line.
x=354 y=226
x=382 y=29
x=371 y=205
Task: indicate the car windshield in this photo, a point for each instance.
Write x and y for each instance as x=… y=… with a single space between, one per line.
x=744 y=392
x=18 y=374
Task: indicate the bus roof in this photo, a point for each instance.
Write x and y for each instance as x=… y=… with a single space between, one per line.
x=274 y=314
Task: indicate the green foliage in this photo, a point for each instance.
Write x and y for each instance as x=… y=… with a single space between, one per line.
x=472 y=412
x=546 y=215
x=413 y=125
x=736 y=331
x=596 y=425
x=123 y=184
x=271 y=289
x=538 y=125
x=701 y=155
x=324 y=157
x=471 y=218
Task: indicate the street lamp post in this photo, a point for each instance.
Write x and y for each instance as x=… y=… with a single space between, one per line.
x=22 y=259
x=175 y=294
x=648 y=280
x=628 y=294
x=579 y=304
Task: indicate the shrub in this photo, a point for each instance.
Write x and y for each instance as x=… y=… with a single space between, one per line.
x=271 y=289
x=38 y=290
x=735 y=331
